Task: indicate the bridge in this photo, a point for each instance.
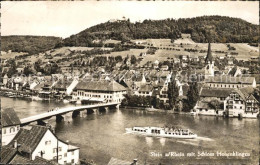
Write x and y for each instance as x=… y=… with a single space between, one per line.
x=59 y=112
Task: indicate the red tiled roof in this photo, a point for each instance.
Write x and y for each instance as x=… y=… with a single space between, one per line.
x=41 y=161
x=18 y=159
x=29 y=138
x=100 y=86
x=9 y=117
x=215 y=92
x=7 y=154
x=146 y=88
x=115 y=161
x=245 y=93
x=231 y=80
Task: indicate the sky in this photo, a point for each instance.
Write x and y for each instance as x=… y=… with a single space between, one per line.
x=62 y=19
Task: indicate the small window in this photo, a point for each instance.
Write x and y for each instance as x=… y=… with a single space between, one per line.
x=54 y=150
x=65 y=154
x=72 y=160
x=72 y=153
x=12 y=129
x=65 y=162
x=60 y=148
x=60 y=157
x=55 y=157
x=4 y=131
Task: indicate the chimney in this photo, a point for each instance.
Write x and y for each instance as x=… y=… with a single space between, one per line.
x=134 y=162
x=15 y=144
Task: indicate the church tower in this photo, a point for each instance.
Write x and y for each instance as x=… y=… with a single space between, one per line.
x=209 y=64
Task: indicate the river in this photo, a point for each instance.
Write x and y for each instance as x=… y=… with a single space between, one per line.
x=102 y=136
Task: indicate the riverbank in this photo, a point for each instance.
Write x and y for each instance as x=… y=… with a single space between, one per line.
x=153 y=110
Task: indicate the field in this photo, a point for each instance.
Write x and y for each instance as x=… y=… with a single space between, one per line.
x=11 y=55
x=166 y=50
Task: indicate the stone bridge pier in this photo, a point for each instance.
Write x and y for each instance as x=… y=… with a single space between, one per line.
x=92 y=110
x=41 y=122
x=103 y=109
x=116 y=107
x=75 y=114
x=59 y=118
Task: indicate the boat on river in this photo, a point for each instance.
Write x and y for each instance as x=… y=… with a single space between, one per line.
x=162 y=132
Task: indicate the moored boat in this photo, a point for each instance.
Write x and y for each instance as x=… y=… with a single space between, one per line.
x=162 y=132
x=73 y=101
x=193 y=112
x=66 y=101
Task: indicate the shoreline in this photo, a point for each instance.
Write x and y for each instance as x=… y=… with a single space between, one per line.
x=154 y=110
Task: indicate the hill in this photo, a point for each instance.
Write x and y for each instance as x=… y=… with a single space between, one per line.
x=219 y=29
x=29 y=44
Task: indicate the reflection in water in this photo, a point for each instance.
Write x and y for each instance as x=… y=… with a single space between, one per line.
x=149 y=141
x=162 y=141
x=102 y=136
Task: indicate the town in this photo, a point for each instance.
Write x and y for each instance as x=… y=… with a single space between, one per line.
x=171 y=76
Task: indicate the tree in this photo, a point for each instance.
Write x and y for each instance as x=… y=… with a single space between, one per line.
x=215 y=104
x=12 y=70
x=257 y=94
x=37 y=66
x=27 y=70
x=193 y=94
x=133 y=59
x=173 y=93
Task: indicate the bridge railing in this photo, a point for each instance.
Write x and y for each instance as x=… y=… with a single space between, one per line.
x=58 y=111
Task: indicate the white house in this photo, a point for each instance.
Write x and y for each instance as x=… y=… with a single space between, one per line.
x=10 y=125
x=144 y=90
x=39 y=141
x=5 y=79
x=241 y=103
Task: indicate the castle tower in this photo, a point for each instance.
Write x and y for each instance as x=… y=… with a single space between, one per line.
x=209 y=64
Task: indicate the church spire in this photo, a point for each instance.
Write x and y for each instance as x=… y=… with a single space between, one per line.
x=209 y=57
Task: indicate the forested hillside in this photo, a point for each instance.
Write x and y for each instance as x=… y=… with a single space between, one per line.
x=214 y=28
x=218 y=28
x=30 y=44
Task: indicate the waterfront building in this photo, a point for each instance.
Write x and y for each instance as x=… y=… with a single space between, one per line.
x=10 y=125
x=62 y=86
x=220 y=94
x=241 y=103
x=207 y=96
x=38 y=141
x=204 y=108
x=99 y=91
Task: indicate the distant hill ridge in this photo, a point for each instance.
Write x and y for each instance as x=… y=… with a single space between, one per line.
x=29 y=44
x=220 y=29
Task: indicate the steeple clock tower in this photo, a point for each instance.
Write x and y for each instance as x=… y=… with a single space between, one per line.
x=209 y=64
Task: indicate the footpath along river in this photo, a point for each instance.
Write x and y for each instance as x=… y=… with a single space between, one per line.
x=102 y=136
